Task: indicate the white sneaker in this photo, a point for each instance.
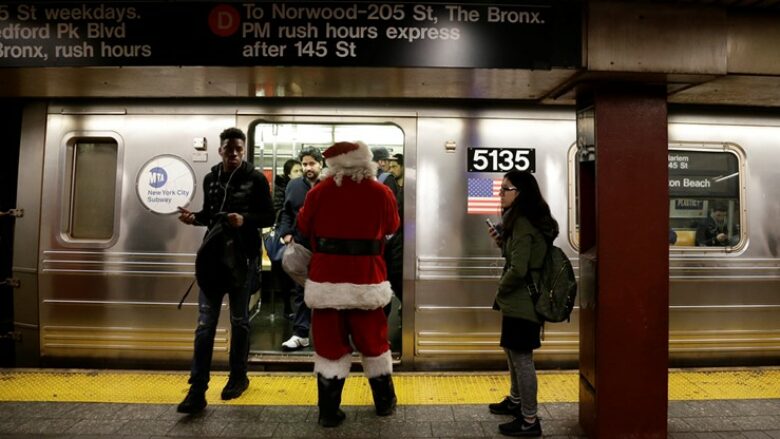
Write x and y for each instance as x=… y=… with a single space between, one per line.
x=295 y=343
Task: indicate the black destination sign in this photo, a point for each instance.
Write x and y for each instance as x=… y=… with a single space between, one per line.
x=710 y=174
x=531 y=35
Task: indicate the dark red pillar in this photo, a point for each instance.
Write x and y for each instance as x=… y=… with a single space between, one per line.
x=624 y=262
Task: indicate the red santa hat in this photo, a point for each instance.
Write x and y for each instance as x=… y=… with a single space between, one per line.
x=348 y=155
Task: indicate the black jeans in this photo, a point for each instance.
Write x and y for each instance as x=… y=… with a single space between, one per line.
x=209 y=308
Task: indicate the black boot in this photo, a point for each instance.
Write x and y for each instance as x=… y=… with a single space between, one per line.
x=329 y=399
x=193 y=403
x=235 y=387
x=384 y=394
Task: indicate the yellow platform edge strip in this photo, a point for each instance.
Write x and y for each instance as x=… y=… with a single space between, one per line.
x=58 y=385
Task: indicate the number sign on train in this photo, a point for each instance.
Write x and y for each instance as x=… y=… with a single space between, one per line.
x=501 y=159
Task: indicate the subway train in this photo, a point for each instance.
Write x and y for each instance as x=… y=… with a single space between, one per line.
x=103 y=261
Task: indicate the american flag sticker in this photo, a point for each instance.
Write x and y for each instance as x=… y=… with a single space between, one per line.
x=483 y=196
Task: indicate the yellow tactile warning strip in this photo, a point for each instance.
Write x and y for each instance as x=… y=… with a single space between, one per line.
x=301 y=389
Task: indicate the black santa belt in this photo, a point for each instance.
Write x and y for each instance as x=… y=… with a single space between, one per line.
x=349 y=247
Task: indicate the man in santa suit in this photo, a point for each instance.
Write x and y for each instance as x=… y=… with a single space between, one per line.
x=346 y=218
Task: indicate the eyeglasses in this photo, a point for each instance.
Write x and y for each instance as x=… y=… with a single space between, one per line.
x=505 y=189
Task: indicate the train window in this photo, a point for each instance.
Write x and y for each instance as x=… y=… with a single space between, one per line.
x=275 y=143
x=91 y=167
x=705 y=203
x=705 y=197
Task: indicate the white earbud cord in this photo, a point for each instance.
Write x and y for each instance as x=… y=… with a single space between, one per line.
x=225 y=187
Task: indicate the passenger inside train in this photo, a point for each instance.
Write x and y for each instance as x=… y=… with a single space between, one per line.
x=396 y=167
x=381 y=156
x=294 y=196
x=716 y=229
x=394 y=249
x=280 y=281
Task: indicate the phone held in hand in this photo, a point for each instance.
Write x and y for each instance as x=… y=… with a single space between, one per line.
x=491 y=225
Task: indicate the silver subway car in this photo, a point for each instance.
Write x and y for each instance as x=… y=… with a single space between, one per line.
x=103 y=261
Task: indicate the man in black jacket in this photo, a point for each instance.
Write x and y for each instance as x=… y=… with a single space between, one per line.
x=714 y=230
x=381 y=156
x=236 y=204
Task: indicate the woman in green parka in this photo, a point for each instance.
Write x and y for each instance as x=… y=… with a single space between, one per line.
x=528 y=228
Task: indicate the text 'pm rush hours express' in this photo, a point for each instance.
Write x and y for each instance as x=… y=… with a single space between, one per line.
x=317 y=40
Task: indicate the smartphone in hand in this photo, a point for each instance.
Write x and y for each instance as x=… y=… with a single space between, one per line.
x=491 y=225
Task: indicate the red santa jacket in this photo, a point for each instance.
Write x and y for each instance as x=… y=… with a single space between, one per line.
x=364 y=210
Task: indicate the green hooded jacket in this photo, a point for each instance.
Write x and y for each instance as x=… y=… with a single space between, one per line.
x=523 y=249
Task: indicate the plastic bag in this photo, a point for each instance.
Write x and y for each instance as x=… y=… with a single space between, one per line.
x=295 y=262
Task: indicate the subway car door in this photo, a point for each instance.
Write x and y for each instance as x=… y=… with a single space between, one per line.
x=10 y=127
x=274 y=140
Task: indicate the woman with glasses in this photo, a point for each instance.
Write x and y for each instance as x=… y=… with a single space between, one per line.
x=528 y=230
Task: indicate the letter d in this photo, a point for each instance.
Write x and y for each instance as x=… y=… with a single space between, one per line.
x=224 y=20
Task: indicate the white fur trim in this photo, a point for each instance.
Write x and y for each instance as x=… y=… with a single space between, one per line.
x=357 y=158
x=356 y=164
x=332 y=368
x=357 y=174
x=377 y=366
x=319 y=295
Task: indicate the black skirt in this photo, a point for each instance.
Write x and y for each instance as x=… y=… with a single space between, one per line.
x=519 y=334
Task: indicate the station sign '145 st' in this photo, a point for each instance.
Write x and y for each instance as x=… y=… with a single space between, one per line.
x=501 y=159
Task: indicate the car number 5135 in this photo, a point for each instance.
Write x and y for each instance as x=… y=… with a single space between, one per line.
x=501 y=159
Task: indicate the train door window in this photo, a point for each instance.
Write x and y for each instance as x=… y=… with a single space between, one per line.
x=90 y=185
x=271 y=144
x=705 y=196
x=706 y=193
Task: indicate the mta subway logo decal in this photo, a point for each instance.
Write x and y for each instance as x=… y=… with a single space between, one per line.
x=157 y=177
x=164 y=183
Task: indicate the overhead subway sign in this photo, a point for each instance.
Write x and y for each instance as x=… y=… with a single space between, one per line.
x=541 y=35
